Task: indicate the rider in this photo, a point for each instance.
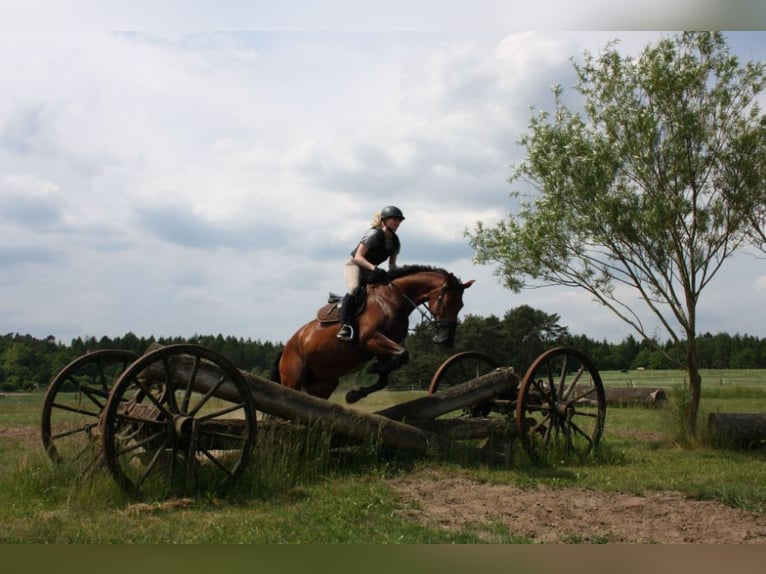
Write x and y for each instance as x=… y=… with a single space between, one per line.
x=379 y=243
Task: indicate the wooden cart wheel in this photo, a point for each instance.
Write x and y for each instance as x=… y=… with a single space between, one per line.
x=561 y=406
x=460 y=368
x=180 y=421
x=74 y=401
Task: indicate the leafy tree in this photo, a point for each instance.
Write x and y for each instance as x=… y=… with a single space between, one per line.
x=647 y=190
x=530 y=332
x=752 y=173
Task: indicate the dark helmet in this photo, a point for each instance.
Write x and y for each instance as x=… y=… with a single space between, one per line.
x=391 y=211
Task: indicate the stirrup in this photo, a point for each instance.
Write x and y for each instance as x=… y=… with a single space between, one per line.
x=346 y=333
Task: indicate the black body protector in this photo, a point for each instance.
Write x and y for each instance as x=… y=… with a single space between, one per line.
x=379 y=249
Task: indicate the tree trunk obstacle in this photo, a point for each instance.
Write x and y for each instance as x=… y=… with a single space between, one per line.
x=418 y=435
x=410 y=426
x=635 y=396
x=738 y=430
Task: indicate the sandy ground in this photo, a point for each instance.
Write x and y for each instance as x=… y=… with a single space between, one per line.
x=576 y=515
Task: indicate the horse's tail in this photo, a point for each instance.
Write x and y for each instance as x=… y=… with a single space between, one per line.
x=275 y=369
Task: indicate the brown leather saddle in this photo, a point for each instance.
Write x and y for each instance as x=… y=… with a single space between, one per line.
x=330 y=311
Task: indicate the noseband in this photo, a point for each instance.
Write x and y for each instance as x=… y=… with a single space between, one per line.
x=425 y=312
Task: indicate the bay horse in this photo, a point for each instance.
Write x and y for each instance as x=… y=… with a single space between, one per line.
x=314 y=359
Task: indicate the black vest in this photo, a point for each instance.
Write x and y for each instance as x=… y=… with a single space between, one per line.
x=378 y=247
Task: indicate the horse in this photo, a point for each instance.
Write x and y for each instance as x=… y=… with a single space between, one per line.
x=314 y=359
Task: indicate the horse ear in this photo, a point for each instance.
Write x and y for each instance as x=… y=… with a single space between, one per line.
x=467 y=284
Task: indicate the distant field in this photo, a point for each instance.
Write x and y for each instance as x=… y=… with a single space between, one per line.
x=670 y=378
x=738 y=390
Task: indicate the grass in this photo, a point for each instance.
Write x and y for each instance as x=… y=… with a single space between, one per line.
x=296 y=491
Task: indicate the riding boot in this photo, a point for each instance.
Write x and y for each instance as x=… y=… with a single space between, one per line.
x=347 y=309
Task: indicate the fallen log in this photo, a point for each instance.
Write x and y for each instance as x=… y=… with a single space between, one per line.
x=298 y=407
x=635 y=396
x=738 y=430
x=500 y=382
x=462 y=428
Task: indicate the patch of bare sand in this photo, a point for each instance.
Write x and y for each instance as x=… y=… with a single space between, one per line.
x=570 y=515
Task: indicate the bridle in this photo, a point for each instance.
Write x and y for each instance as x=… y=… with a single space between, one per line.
x=426 y=315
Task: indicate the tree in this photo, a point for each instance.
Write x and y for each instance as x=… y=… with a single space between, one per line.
x=751 y=146
x=647 y=190
x=528 y=332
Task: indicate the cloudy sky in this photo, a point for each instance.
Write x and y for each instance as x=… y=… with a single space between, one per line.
x=178 y=179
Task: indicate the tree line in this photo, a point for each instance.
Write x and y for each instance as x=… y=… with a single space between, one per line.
x=516 y=339
x=28 y=363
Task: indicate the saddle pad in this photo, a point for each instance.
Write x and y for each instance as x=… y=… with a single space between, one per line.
x=328 y=313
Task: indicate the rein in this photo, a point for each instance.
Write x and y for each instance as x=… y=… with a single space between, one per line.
x=426 y=315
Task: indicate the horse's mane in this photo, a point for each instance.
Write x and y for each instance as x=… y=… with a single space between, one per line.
x=406 y=270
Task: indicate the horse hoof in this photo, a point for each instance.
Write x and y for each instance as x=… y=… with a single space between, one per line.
x=352 y=396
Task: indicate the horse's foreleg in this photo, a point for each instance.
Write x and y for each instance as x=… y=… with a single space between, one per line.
x=355 y=395
x=387 y=364
x=383 y=366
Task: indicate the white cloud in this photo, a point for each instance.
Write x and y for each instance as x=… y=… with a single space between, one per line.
x=173 y=183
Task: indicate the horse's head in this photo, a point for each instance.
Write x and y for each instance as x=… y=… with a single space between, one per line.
x=438 y=290
x=445 y=303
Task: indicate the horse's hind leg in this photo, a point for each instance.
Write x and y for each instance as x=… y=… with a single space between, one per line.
x=297 y=376
x=321 y=389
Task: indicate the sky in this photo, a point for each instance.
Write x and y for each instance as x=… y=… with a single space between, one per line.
x=177 y=168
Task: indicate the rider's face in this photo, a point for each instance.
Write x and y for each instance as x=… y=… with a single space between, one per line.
x=392 y=223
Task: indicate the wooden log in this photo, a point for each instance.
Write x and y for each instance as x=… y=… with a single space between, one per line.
x=286 y=403
x=499 y=382
x=738 y=430
x=300 y=407
x=463 y=428
x=635 y=396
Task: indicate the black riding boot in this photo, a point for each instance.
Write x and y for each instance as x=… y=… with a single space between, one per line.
x=347 y=308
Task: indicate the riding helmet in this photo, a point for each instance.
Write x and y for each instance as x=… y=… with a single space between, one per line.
x=391 y=211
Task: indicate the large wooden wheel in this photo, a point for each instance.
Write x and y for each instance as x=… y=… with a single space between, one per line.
x=561 y=407
x=461 y=368
x=180 y=421
x=74 y=401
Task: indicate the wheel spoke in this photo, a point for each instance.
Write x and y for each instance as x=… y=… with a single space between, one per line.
x=221 y=412
x=74 y=401
x=189 y=385
x=550 y=396
x=180 y=388
x=460 y=368
x=206 y=397
x=152 y=463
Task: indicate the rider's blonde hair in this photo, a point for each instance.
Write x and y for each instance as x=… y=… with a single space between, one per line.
x=377 y=221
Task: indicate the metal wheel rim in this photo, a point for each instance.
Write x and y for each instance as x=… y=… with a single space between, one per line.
x=164 y=435
x=454 y=367
x=561 y=407
x=74 y=401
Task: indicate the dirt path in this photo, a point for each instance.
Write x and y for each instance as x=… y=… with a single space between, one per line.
x=572 y=515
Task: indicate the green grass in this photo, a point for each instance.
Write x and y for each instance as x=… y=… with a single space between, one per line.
x=297 y=491
x=711 y=378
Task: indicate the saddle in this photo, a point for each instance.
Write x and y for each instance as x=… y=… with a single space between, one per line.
x=330 y=311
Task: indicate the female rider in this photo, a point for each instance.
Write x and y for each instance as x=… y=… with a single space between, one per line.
x=378 y=244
